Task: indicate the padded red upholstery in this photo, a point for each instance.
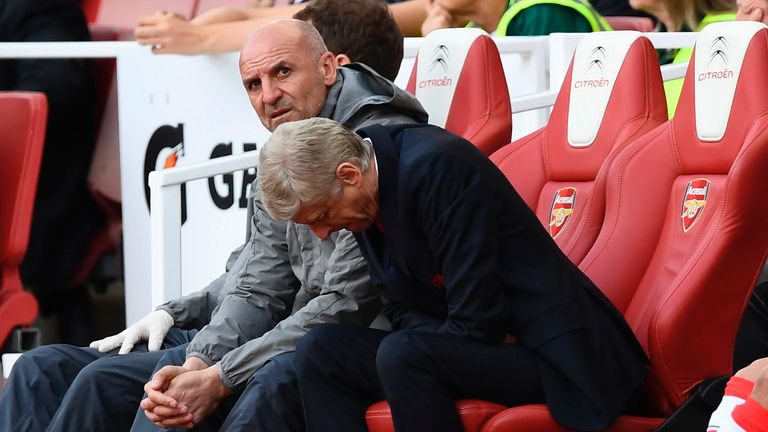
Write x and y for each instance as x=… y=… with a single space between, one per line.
x=123 y=15
x=537 y=418
x=696 y=268
x=479 y=110
x=641 y=24
x=543 y=163
x=474 y=414
x=90 y=9
x=22 y=133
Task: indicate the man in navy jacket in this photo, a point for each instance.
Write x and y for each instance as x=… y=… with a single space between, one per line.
x=482 y=302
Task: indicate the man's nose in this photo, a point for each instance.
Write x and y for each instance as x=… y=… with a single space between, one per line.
x=320 y=230
x=270 y=93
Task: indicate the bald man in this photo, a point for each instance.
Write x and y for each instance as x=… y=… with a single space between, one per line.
x=236 y=372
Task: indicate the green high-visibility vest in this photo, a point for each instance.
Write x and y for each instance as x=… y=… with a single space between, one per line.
x=672 y=88
x=596 y=21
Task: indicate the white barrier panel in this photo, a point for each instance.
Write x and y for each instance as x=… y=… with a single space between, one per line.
x=187 y=109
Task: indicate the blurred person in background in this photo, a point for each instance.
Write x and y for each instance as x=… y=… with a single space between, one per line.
x=683 y=16
x=686 y=15
x=65 y=215
x=226 y=29
x=616 y=8
x=340 y=23
x=514 y=17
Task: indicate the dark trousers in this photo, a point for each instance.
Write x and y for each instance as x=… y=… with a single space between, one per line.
x=752 y=338
x=270 y=401
x=68 y=388
x=343 y=370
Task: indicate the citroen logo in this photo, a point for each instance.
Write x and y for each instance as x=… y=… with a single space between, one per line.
x=718 y=50
x=440 y=58
x=596 y=59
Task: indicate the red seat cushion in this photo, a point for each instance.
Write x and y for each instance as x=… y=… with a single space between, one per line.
x=473 y=413
x=24 y=117
x=537 y=418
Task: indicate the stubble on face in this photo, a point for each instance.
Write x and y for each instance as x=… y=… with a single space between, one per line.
x=283 y=75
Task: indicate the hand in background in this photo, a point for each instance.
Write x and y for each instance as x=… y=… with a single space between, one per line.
x=437 y=18
x=168 y=32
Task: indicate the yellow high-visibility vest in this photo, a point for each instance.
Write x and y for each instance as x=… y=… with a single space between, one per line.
x=596 y=21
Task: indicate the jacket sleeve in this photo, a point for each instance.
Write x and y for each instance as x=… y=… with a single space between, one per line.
x=402 y=317
x=452 y=209
x=258 y=291
x=347 y=296
x=194 y=310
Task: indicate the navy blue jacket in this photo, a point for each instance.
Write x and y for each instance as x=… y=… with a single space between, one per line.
x=461 y=253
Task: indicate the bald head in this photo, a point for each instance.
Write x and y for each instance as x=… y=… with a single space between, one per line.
x=287 y=71
x=300 y=33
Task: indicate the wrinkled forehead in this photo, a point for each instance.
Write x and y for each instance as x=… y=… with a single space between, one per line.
x=269 y=43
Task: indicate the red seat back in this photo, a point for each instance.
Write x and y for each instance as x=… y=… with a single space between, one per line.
x=459 y=79
x=611 y=95
x=710 y=162
x=90 y=9
x=22 y=133
x=552 y=160
x=688 y=197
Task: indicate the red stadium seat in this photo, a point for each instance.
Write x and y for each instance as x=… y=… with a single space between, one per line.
x=558 y=159
x=22 y=128
x=687 y=195
x=90 y=9
x=474 y=414
x=459 y=79
x=611 y=95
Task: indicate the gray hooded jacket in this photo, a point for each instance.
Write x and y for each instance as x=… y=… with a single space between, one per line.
x=284 y=280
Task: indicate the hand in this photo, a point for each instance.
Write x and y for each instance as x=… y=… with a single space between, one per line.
x=196 y=394
x=151 y=328
x=760 y=391
x=437 y=18
x=170 y=33
x=163 y=410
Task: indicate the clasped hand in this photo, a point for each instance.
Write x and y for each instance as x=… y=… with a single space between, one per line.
x=182 y=396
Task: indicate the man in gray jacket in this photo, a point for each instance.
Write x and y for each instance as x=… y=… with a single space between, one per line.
x=279 y=284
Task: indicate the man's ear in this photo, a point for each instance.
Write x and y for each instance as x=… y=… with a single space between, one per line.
x=342 y=59
x=328 y=62
x=759 y=16
x=349 y=174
